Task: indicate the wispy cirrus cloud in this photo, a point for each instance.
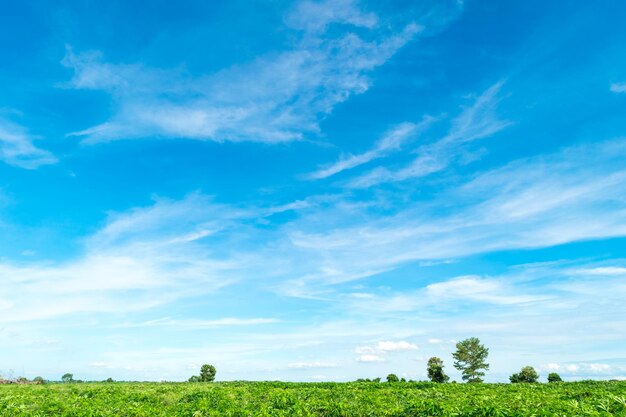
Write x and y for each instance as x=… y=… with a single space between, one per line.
x=390 y=142
x=475 y=122
x=17 y=147
x=277 y=97
x=186 y=324
x=530 y=203
x=174 y=249
x=315 y=16
x=137 y=261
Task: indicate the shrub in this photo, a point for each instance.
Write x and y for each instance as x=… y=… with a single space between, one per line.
x=526 y=375
x=554 y=377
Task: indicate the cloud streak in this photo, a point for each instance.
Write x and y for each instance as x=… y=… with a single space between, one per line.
x=17 y=147
x=390 y=142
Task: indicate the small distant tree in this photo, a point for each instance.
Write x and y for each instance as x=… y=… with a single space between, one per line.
x=554 y=377
x=526 y=375
x=376 y=379
x=470 y=357
x=393 y=378
x=109 y=380
x=435 y=370
x=207 y=373
x=67 y=378
x=194 y=378
x=39 y=380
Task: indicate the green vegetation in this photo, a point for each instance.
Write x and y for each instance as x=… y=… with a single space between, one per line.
x=207 y=374
x=470 y=357
x=319 y=399
x=393 y=378
x=554 y=377
x=526 y=375
x=435 y=370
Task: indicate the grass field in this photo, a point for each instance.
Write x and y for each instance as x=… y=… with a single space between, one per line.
x=313 y=399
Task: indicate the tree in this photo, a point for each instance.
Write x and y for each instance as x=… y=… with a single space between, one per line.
x=194 y=378
x=526 y=375
x=207 y=373
x=435 y=370
x=554 y=377
x=67 y=377
x=393 y=378
x=469 y=358
x=38 y=380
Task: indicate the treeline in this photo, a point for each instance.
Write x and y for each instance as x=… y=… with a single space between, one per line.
x=470 y=358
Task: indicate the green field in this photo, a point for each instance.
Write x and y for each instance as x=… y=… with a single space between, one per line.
x=319 y=399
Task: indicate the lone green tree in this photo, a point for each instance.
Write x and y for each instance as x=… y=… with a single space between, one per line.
x=393 y=378
x=435 y=371
x=469 y=358
x=67 y=377
x=526 y=375
x=554 y=377
x=207 y=373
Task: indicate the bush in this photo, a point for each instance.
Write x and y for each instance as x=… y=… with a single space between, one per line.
x=554 y=377
x=526 y=375
x=393 y=378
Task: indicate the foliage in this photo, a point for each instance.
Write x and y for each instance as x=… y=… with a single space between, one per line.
x=526 y=375
x=469 y=358
x=435 y=370
x=67 y=377
x=393 y=378
x=39 y=380
x=279 y=399
x=207 y=373
x=554 y=377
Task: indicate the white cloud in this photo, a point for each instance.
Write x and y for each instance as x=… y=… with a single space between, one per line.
x=315 y=16
x=275 y=98
x=584 y=369
x=402 y=345
x=370 y=358
x=477 y=289
x=618 y=87
x=17 y=147
x=379 y=351
x=475 y=122
x=602 y=271
x=313 y=364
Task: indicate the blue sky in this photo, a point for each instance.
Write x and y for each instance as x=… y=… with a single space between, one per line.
x=311 y=190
